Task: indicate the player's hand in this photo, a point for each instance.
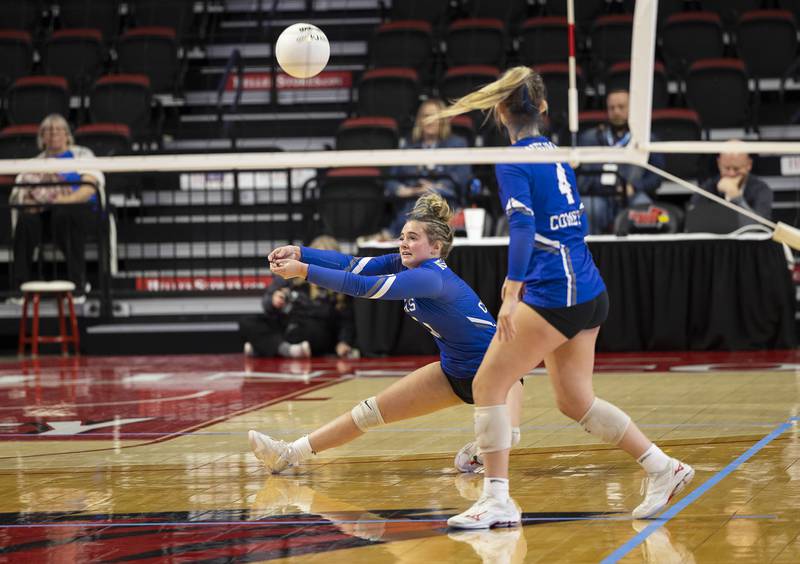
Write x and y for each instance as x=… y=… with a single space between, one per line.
x=285 y=252
x=506 y=330
x=512 y=286
x=730 y=187
x=289 y=268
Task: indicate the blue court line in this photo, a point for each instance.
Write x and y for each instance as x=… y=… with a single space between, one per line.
x=623 y=550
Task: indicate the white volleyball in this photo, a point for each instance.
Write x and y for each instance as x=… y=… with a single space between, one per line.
x=302 y=50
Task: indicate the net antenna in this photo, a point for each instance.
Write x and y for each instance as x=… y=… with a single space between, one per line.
x=572 y=93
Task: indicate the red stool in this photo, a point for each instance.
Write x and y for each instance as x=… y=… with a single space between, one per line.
x=34 y=292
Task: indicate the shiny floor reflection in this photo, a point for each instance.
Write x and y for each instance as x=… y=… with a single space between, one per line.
x=145 y=459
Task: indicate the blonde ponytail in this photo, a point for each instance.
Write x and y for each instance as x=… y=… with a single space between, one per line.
x=521 y=89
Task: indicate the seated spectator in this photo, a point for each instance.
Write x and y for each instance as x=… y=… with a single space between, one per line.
x=410 y=182
x=301 y=320
x=68 y=206
x=604 y=191
x=735 y=183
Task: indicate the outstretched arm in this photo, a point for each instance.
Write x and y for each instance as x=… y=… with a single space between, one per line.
x=335 y=260
x=414 y=283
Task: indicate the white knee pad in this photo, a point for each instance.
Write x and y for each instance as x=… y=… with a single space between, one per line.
x=516 y=436
x=367 y=415
x=492 y=428
x=606 y=421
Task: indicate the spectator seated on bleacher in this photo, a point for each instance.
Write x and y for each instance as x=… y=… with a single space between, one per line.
x=604 y=192
x=407 y=183
x=301 y=320
x=66 y=203
x=734 y=183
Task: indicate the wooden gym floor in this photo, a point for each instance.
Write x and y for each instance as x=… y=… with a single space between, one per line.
x=146 y=460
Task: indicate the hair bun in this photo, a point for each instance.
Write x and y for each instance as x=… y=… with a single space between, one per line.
x=432 y=206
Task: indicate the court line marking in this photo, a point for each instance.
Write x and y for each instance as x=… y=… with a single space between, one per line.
x=306 y=522
x=194 y=395
x=635 y=541
x=553 y=427
x=312 y=387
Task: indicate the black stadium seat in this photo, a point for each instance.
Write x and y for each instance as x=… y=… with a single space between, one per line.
x=407 y=43
x=16 y=55
x=122 y=98
x=367 y=133
x=543 y=40
x=611 y=40
x=105 y=139
x=21 y=14
x=690 y=36
x=679 y=124
x=19 y=141
x=93 y=14
x=351 y=202
x=707 y=78
x=767 y=42
x=619 y=77
x=509 y=12
x=556 y=80
x=476 y=41
x=432 y=11
x=31 y=98
x=176 y=14
x=151 y=51
x=75 y=54
x=390 y=92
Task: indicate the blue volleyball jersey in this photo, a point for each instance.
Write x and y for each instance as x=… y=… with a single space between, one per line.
x=433 y=295
x=547 y=226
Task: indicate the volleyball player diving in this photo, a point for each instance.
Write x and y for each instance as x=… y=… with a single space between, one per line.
x=433 y=296
x=554 y=301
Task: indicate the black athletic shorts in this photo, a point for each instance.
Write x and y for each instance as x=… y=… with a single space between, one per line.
x=462 y=387
x=571 y=320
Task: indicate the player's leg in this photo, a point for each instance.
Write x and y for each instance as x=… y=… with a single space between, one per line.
x=570 y=368
x=504 y=364
x=423 y=391
x=468 y=459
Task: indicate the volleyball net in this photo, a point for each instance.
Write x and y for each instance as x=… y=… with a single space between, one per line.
x=643 y=73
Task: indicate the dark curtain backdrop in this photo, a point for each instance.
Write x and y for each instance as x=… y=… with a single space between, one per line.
x=665 y=295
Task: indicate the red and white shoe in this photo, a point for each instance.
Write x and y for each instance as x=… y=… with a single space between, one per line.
x=660 y=488
x=486 y=513
x=468 y=460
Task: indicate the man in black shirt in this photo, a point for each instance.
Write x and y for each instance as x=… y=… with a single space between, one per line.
x=737 y=185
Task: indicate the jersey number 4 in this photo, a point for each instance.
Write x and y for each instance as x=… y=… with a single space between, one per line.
x=563 y=184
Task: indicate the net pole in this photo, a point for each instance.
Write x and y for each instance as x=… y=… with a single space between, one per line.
x=573 y=87
x=643 y=54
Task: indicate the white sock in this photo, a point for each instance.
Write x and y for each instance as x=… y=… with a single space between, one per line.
x=516 y=436
x=301 y=450
x=496 y=488
x=653 y=460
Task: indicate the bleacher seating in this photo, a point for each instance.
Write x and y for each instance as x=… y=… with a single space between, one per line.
x=386 y=57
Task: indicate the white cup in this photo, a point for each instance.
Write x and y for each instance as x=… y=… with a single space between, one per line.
x=473 y=221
